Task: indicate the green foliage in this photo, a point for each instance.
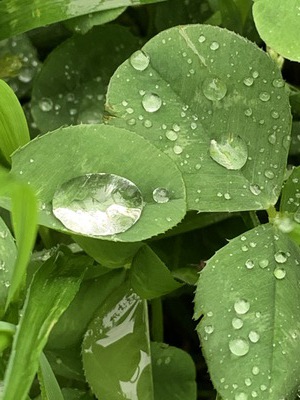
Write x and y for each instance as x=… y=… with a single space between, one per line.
x=149 y=173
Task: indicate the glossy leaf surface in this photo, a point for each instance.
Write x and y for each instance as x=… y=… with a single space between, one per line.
x=250 y=326
x=216 y=104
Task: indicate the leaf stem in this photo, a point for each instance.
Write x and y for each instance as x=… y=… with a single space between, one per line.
x=250 y=219
x=157 y=323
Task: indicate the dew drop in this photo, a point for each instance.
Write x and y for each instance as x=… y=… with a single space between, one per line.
x=201 y=38
x=255 y=370
x=177 y=149
x=280 y=257
x=214 y=46
x=151 y=102
x=237 y=323
x=160 y=195
x=269 y=174
x=255 y=74
x=264 y=96
x=255 y=189
x=46 y=104
x=279 y=273
x=248 y=81
x=171 y=135
x=209 y=329
x=248 y=112
x=241 y=306
x=231 y=153
x=239 y=347
x=249 y=264
x=241 y=396
x=278 y=83
x=275 y=114
x=297 y=215
x=248 y=382
x=272 y=138
x=263 y=263
x=139 y=60
x=253 y=336
x=98 y=204
x=214 y=89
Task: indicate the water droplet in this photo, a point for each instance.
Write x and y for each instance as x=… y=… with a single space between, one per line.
x=139 y=60
x=255 y=189
x=201 y=39
x=241 y=396
x=209 y=329
x=264 y=96
x=147 y=123
x=2 y=265
x=280 y=257
x=227 y=196
x=279 y=273
x=263 y=388
x=255 y=74
x=248 y=81
x=253 y=336
x=46 y=104
x=177 y=149
x=254 y=394
x=160 y=195
x=3 y=234
x=241 y=306
x=263 y=263
x=214 y=89
x=272 y=138
x=214 y=46
x=249 y=264
x=248 y=112
x=297 y=215
x=239 y=347
x=278 y=83
x=255 y=370
x=98 y=204
x=171 y=135
x=269 y=174
x=231 y=153
x=26 y=75
x=275 y=114
x=248 y=382
x=151 y=102
x=131 y=121
x=237 y=323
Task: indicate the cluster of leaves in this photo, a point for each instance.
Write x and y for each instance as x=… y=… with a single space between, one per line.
x=185 y=102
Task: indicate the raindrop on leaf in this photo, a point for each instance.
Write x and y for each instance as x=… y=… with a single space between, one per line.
x=214 y=89
x=160 y=195
x=239 y=347
x=231 y=153
x=139 y=60
x=151 y=102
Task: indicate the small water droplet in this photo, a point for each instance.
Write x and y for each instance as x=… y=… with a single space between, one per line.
x=139 y=60
x=263 y=263
x=2 y=265
x=279 y=273
x=278 y=83
x=171 y=135
x=151 y=102
x=237 y=323
x=280 y=257
x=255 y=74
x=254 y=394
x=209 y=329
x=46 y=104
x=3 y=234
x=269 y=174
x=253 y=336
x=275 y=114
x=272 y=138
x=264 y=96
x=297 y=215
x=98 y=204
x=177 y=149
x=255 y=370
x=214 y=88
x=239 y=347
x=248 y=382
x=249 y=264
x=131 y=121
x=147 y=123
x=241 y=396
x=241 y=306
x=160 y=195
x=214 y=46
x=231 y=153
x=201 y=38
x=248 y=81
x=255 y=189
x=263 y=388
x=248 y=112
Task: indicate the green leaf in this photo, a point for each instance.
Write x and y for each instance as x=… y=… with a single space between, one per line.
x=277 y=23
x=174 y=373
x=86 y=22
x=250 y=326
x=109 y=254
x=295 y=142
x=66 y=363
x=19 y=64
x=49 y=387
x=216 y=104
x=71 y=90
x=7 y=332
x=24 y=219
x=73 y=324
x=83 y=149
x=13 y=126
x=22 y=15
x=149 y=277
x=116 y=349
x=8 y=256
x=290 y=198
x=51 y=291
x=231 y=16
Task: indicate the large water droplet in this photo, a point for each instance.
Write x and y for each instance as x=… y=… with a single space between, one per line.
x=160 y=195
x=239 y=347
x=98 y=204
x=248 y=81
x=249 y=264
x=139 y=60
x=280 y=257
x=278 y=83
x=214 y=88
x=214 y=46
x=279 y=273
x=263 y=263
x=241 y=306
x=231 y=153
x=151 y=102
x=255 y=189
x=46 y=104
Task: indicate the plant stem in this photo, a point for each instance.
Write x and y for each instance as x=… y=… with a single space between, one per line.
x=157 y=323
x=271 y=212
x=250 y=219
